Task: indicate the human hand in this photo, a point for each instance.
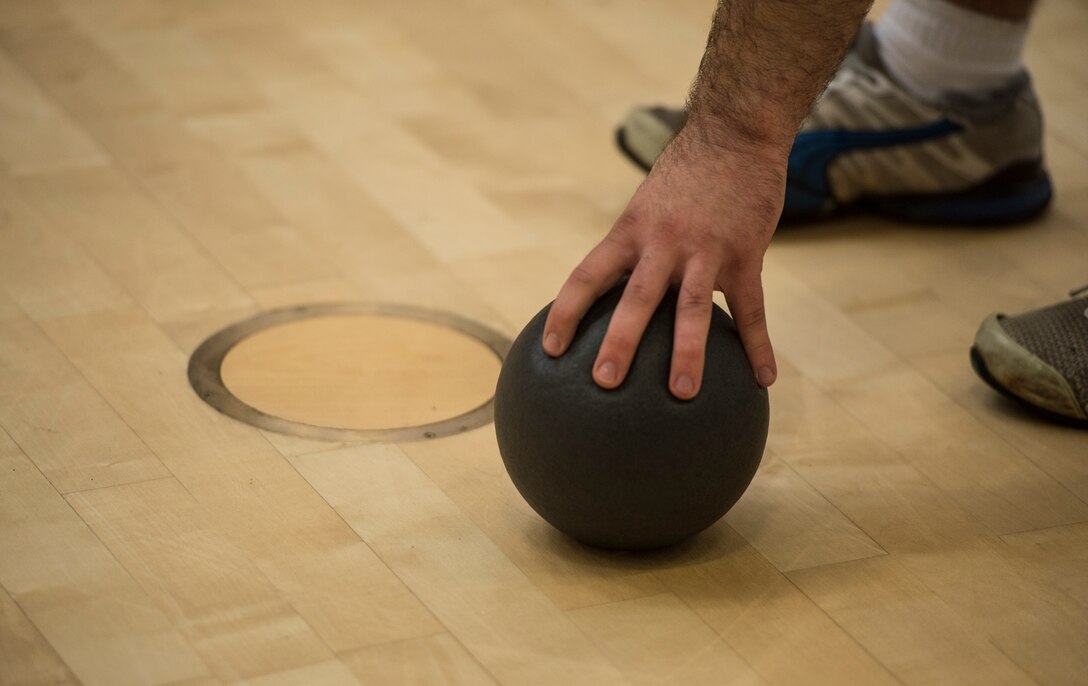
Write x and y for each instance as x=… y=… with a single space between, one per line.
x=703 y=219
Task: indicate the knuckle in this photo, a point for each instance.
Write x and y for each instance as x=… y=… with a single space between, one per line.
x=625 y=226
x=561 y=314
x=687 y=357
x=703 y=238
x=668 y=232
x=754 y=317
x=619 y=344
x=639 y=295
x=692 y=299
x=744 y=268
x=762 y=348
x=582 y=276
x=750 y=270
x=619 y=245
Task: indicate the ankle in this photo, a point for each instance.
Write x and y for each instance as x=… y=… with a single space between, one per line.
x=935 y=49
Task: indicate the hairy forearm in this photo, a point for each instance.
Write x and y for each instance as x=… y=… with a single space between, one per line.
x=766 y=61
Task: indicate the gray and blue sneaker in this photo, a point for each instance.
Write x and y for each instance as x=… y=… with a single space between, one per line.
x=868 y=144
x=1039 y=357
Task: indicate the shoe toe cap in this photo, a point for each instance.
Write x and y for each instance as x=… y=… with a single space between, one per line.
x=1019 y=372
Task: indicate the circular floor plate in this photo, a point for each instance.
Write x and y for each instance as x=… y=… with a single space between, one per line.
x=353 y=372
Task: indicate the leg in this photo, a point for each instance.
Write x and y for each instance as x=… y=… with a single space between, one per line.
x=938 y=47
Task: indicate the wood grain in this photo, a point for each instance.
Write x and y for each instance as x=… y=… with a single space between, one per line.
x=168 y=169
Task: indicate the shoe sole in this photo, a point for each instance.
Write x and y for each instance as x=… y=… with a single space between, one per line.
x=1015 y=195
x=979 y=365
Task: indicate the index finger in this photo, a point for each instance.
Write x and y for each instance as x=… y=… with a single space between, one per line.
x=605 y=265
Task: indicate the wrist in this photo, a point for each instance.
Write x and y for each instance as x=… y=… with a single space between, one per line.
x=714 y=141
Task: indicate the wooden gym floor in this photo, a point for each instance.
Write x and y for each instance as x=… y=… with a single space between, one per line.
x=168 y=168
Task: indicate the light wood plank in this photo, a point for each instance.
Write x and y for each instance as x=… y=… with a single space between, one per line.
x=403 y=177
x=369 y=247
x=657 y=640
x=905 y=625
x=8 y=309
x=793 y=525
x=543 y=205
x=31 y=34
x=1058 y=555
x=541 y=273
x=25 y=656
x=382 y=261
x=438 y=659
x=333 y=672
x=166 y=57
x=238 y=133
x=60 y=422
x=238 y=228
x=678 y=30
x=920 y=525
x=994 y=482
x=780 y=632
x=100 y=622
x=35 y=135
x=45 y=275
x=1058 y=451
x=258 y=501
x=484 y=600
x=167 y=272
x=897 y=505
x=1037 y=625
x=215 y=596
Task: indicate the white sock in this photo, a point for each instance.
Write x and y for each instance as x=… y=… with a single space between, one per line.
x=932 y=48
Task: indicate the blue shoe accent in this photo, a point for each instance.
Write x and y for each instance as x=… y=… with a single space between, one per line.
x=802 y=202
x=808 y=188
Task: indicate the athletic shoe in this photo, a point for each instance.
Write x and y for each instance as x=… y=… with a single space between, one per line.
x=870 y=144
x=1039 y=357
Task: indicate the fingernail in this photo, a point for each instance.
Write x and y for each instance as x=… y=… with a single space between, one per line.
x=684 y=385
x=551 y=344
x=765 y=376
x=607 y=372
